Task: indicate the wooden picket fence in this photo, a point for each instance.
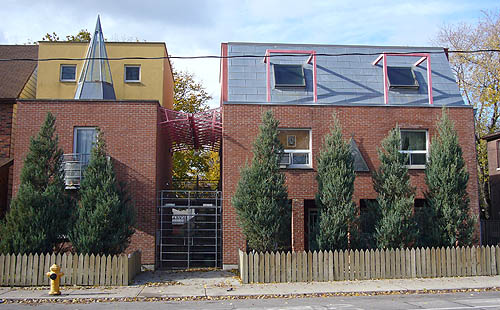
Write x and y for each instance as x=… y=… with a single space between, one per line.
x=368 y=264
x=31 y=269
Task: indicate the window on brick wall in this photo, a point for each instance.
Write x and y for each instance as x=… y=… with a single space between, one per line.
x=74 y=164
x=84 y=139
x=415 y=143
x=297 y=148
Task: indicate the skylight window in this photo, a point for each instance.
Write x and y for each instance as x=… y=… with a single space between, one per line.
x=289 y=76
x=402 y=77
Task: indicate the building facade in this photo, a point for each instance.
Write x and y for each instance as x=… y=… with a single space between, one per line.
x=148 y=79
x=370 y=89
x=125 y=99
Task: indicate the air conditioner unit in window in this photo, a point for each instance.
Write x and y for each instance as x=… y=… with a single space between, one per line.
x=285 y=160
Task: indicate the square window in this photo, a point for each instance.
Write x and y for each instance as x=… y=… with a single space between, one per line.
x=402 y=77
x=68 y=73
x=132 y=73
x=297 y=148
x=414 y=143
x=289 y=76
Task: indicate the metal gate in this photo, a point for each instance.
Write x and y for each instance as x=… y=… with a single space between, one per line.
x=189 y=233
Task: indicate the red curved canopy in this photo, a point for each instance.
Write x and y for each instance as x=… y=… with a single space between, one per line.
x=201 y=130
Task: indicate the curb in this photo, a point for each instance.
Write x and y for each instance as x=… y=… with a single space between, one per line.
x=236 y=297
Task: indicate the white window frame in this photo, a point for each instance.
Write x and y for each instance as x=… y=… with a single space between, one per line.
x=299 y=151
x=61 y=73
x=409 y=152
x=125 y=73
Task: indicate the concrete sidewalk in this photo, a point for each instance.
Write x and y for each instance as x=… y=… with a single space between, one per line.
x=222 y=284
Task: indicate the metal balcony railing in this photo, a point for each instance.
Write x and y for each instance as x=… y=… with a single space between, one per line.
x=74 y=165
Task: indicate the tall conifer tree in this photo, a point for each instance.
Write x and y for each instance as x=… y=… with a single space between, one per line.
x=105 y=215
x=446 y=177
x=261 y=199
x=396 y=227
x=39 y=213
x=337 y=211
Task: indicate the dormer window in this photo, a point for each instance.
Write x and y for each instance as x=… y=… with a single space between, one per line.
x=401 y=77
x=288 y=76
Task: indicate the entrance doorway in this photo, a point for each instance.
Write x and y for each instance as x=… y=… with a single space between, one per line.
x=189 y=234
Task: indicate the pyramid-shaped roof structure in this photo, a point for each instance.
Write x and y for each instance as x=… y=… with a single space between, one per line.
x=95 y=80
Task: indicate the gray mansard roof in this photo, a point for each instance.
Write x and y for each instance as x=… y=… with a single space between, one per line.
x=344 y=80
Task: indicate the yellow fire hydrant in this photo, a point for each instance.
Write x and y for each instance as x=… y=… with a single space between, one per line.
x=55 y=278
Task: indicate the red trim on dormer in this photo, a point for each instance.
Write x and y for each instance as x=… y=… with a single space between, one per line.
x=223 y=73
x=312 y=57
x=423 y=57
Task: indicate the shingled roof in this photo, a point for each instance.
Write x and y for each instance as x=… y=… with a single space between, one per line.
x=15 y=74
x=345 y=75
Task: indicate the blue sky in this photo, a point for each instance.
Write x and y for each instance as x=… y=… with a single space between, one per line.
x=197 y=27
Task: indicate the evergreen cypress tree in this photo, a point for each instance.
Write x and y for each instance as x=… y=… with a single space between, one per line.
x=446 y=177
x=105 y=215
x=261 y=199
x=396 y=227
x=39 y=213
x=337 y=211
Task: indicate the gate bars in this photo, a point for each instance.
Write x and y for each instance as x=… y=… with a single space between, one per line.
x=189 y=233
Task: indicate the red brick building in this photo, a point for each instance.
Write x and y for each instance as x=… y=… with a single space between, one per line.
x=125 y=100
x=135 y=143
x=15 y=82
x=371 y=90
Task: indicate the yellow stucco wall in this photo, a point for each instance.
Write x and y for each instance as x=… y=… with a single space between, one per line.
x=29 y=89
x=156 y=77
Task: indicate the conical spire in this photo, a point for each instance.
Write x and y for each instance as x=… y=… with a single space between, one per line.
x=95 y=80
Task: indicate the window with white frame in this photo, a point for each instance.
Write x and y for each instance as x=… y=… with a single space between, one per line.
x=415 y=143
x=297 y=148
x=132 y=73
x=68 y=73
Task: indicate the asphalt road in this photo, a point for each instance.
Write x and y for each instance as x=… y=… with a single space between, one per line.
x=456 y=301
